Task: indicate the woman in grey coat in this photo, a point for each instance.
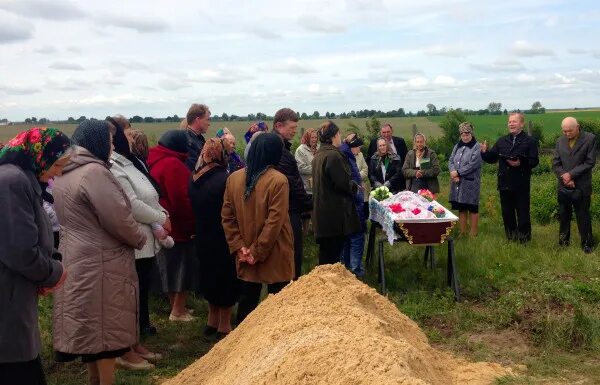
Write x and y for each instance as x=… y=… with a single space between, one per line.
x=465 y=178
x=28 y=265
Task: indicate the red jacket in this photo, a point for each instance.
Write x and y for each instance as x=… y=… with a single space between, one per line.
x=169 y=170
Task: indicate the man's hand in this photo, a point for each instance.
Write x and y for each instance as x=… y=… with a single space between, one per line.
x=513 y=163
x=566 y=178
x=571 y=184
x=484 y=146
x=44 y=291
x=419 y=174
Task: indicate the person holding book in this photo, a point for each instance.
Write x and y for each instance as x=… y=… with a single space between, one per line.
x=421 y=167
x=516 y=154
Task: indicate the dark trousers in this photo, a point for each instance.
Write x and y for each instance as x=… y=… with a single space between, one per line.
x=296 y=222
x=250 y=296
x=144 y=267
x=330 y=249
x=584 y=221
x=22 y=373
x=515 y=214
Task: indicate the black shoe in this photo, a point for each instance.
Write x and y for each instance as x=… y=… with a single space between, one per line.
x=148 y=331
x=564 y=242
x=588 y=249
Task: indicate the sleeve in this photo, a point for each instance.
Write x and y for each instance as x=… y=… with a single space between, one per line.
x=363 y=169
x=473 y=164
x=451 y=165
x=557 y=166
x=434 y=171
x=297 y=193
x=340 y=176
x=142 y=212
x=398 y=177
x=51 y=214
x=372 y=149
x=109 y=203
x=276 y=217
x=229 y=221
x=401 y=149
x=491 y=155
x=532 y=158
x=20 y=251
x=588 y=163
x=304 y=165
x=177 y=193
x=409 y=173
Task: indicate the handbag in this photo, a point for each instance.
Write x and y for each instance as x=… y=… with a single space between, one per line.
x=569 y=195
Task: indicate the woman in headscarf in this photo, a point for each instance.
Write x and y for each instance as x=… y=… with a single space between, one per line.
x=95 y=312
x=421 y=167
x=177 y=265
x=257 y=225
x=143 y=195
x=304 y=155
x=385 y=168
x=255 y=129
x=235 y=161
x=334 y=212
x=464 y=165
x=218 y=280
x=27 y=264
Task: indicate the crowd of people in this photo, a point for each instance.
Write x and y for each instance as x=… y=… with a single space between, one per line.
x=213 y=222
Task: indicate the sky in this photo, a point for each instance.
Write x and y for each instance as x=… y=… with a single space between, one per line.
x=65 y=58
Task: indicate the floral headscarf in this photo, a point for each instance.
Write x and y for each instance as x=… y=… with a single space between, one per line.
x=258 y=126
x=35 y=149
x=214 y=154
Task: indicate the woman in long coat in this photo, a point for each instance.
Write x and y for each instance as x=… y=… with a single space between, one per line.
x=27 y=266
x=95 y=311
x=218 y=280
x=464 y=165
x=421 y=167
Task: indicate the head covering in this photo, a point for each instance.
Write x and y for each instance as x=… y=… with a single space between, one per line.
x=94 y=136
x=258 y=126
x=327 y=131
x=214 y=154
x=36 y=149
x=266 y=151
x=465 y=127
x=353 y=140
x=222 y=132
x=175 y=140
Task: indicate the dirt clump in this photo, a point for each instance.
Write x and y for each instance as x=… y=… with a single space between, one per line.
x=330 y=328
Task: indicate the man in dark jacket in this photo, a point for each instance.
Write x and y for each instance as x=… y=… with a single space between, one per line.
x=397 y=144
x=574 y=159
x=285 y=124
x=516 y=154
x=198 y=121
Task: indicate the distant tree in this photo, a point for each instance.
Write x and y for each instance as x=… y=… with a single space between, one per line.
x=431 y=109
x=449 y=125
x=401 y=112
x=233 y=117
x=176 y=118
x=81 y=119
x=225 y=117
x=148 y=119
x=537 y=108
x=494 y=108
x=315 y=115
x=373 y=126
x=136 y=119
x=421 y=113
x=251 y=117
x=443 y=110
x=261 y=116
x=304 y=116
x=28 y=120
x=71 y=119
x=505 y=112
x=44 y=121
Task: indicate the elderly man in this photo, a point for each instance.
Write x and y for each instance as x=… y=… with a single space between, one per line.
x=516 y=154
x=397 y=144
x=574 y=159
x=198 y=121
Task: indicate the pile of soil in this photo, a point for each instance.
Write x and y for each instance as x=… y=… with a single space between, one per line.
x=330 y=328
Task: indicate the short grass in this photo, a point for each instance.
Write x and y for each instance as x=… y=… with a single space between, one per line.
x=533 y=307
x=492 y=126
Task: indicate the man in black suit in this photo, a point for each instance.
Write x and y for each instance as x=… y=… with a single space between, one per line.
x=516 y=154
x=398 y=144
x=574 y=159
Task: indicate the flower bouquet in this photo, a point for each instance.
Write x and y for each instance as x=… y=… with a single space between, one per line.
x=381 y=193
x=426 y=194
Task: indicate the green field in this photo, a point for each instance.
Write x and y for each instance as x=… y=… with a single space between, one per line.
x=493 y=126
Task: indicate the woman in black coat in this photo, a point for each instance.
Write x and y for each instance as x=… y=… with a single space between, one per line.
x=386 y=159
x=218 y=278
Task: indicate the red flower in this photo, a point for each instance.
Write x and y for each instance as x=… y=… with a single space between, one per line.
x=18 y=140
x=416 y=211
x=396 y=208
x=35 y=136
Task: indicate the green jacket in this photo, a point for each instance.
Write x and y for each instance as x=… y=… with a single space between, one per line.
x=334 y=212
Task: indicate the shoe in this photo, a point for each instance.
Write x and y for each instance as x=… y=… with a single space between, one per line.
x=187 y=317
x=148 y=331
x=209 y=331
x=127 y=365
x=221 y=335
x=588 y=249
x=152 y=357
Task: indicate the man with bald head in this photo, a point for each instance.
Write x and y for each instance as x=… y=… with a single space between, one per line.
x=574 y=159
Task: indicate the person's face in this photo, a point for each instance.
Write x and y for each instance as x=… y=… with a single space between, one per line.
x=229 y=143
x=382 y=147
x=386 y=133
x=313 y=139
x=465 y=137
x=515 y=125
x=203 y=123
x=419 y=142
x=112 y=146
x=570 y=130
x=287 y=129
x=355 y=150
x=56 y=169
x=337 y=140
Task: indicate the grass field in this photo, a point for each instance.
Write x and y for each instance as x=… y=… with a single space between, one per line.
x=493 y=126
x=533 y=307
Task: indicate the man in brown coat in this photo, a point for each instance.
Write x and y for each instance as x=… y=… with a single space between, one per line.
x=257 y=225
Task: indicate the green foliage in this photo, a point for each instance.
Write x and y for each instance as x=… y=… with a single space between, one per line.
x=373 y=126
x=450 y=123
x=537 y=131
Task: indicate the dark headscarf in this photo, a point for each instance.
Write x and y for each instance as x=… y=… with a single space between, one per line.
x=265 y=151
x=94 y=136
x=175 y=140
x=35 y=149
x=213 y=155
x=121 y=145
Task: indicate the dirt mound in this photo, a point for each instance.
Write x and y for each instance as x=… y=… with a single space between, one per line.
x=329 y=328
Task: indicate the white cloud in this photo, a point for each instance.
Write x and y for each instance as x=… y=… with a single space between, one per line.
x=314 y=23
x=18 y=90
x=500 y=65
x=290 y=65
x=14 y=30
x=219 y=75
x=551 y=21
x=48 y=10
x=139 y=24
x=445 y=81
x=527 y=49
x=66 y=66
x=457 y=50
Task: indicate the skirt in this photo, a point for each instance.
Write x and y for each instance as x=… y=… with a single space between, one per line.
x=178 y=268
x=465 y=207
x=86 y=358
